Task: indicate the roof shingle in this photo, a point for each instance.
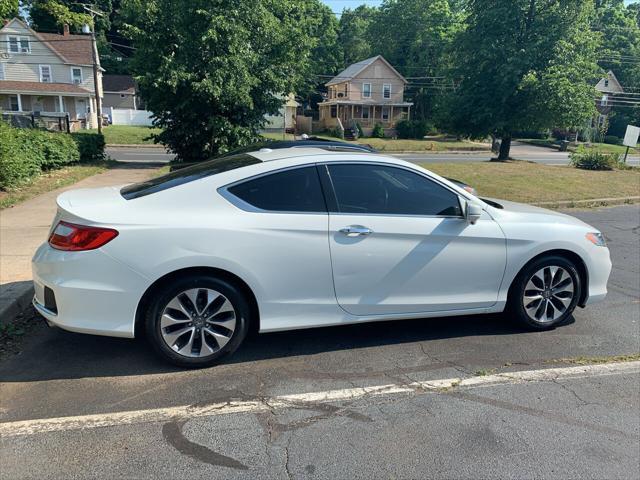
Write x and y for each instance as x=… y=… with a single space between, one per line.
x=8 y=86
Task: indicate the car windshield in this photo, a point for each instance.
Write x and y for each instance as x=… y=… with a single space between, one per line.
x=188 y=174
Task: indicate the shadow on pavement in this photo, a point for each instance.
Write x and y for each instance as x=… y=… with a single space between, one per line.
x=55 y=354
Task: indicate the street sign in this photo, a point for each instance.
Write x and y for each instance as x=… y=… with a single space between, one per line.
x=631 y=137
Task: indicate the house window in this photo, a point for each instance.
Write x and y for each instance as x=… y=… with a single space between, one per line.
x=13 y=103
x=45 y=74
x=386 y=90
x=19 y=45
x=606 y=83
x=334 y=111
x=366 y=90
x=365 y=112
x=1 y=71
x=122 y=95
x=385 y=113
x=76 y=75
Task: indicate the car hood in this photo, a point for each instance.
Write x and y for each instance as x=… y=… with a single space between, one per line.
x=513 y=211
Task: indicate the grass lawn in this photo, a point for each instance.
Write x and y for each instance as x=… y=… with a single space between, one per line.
x=604 y=147
x=277 y=136
x=128 y=134
x=530 y=182
x=49 y=181
x=429 y=144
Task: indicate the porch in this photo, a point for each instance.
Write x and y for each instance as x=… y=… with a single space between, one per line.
x=80 y=106
x=367 y=115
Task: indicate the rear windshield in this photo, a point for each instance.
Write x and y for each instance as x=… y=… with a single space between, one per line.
x=187 y=174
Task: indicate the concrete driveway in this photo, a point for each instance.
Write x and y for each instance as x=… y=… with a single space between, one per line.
x=77 y=406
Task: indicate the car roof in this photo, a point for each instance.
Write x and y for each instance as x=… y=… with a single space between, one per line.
x=269 y=155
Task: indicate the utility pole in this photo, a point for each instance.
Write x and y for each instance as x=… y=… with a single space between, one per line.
x=94 y=52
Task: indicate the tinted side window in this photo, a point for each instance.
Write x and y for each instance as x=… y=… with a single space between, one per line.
x=387 y=190
x=295 y=190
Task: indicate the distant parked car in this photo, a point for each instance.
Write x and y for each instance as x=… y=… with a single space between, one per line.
x=315 y=142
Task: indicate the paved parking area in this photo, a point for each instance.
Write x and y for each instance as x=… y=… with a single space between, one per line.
x=577 y=427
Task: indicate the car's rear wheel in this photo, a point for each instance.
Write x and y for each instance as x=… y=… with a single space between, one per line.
x=545 y=293
x=197 y=320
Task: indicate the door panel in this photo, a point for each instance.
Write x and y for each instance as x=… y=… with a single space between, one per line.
x=414 y=264
x=399 y=244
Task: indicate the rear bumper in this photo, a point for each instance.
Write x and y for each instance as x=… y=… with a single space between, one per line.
x=94 y=293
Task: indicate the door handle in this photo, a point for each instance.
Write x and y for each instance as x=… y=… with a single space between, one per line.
x=356 y=231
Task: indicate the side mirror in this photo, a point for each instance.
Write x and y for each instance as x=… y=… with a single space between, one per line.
x=472 y=212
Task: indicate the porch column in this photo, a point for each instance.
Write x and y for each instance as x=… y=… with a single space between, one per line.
x=61 y=103
x=391 y=115
x=19 y=102
x=353 y=115
x=373 y=116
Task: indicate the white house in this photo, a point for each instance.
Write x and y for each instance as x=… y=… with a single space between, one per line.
x=47 y=73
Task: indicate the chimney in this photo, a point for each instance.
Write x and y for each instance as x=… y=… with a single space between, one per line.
x=65 y=29
x=5 y=21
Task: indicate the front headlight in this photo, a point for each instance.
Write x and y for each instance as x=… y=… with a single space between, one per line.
x=596 y=238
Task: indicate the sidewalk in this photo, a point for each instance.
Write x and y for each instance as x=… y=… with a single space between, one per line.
x=25 y=226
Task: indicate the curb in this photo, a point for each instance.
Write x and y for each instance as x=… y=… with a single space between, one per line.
x=14 y=299
x=593 y=202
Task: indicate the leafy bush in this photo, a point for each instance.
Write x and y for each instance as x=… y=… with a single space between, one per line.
x=335 y=132
x=360 y=131
x=91 y=146
x=16 y=164
x=612 y=140
x=26 y=152
x=413 y=128
x=59 y=150
x=378 y=131
x=590 y=159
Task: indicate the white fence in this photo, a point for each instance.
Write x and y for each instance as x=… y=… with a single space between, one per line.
x=127 y=116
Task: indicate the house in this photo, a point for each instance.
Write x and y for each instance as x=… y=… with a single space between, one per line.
x=608 y=87
x=46 y=74
x=285 y=119
x=120 y=91
x=367 y=92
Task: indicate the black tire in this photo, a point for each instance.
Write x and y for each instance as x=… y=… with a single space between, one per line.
x=167 y=292
x=516 y=303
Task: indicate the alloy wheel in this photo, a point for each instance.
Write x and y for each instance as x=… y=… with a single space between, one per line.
x=548 y=294
x=198 y=322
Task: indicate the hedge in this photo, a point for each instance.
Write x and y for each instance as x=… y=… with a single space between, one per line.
x=91 y=145
x=413 y=129
x=25 y=153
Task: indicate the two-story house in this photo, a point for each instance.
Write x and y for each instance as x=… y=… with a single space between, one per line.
x=48 y=73
x=367 y=92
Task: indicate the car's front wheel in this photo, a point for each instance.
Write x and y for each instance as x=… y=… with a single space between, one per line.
x=197 y=320
x=545 y=293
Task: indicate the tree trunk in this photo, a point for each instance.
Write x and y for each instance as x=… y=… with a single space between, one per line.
x=505 y=147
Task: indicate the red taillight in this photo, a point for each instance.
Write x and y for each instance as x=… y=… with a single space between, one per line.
x=72 y=237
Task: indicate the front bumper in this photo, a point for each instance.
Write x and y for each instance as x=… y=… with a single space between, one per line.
x=599 y=268
x=93 y=292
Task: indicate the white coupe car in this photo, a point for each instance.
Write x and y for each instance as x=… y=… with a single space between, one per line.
x=298 y=238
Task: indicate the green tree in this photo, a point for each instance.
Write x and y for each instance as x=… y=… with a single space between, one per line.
x=8 y=8
x=415 y=36
x=620 y=49
x=355 y=33
x=210 y=70
x=524 y=65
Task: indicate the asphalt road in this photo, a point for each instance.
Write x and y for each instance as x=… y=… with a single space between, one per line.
x=581 y=427
x=520 y=151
